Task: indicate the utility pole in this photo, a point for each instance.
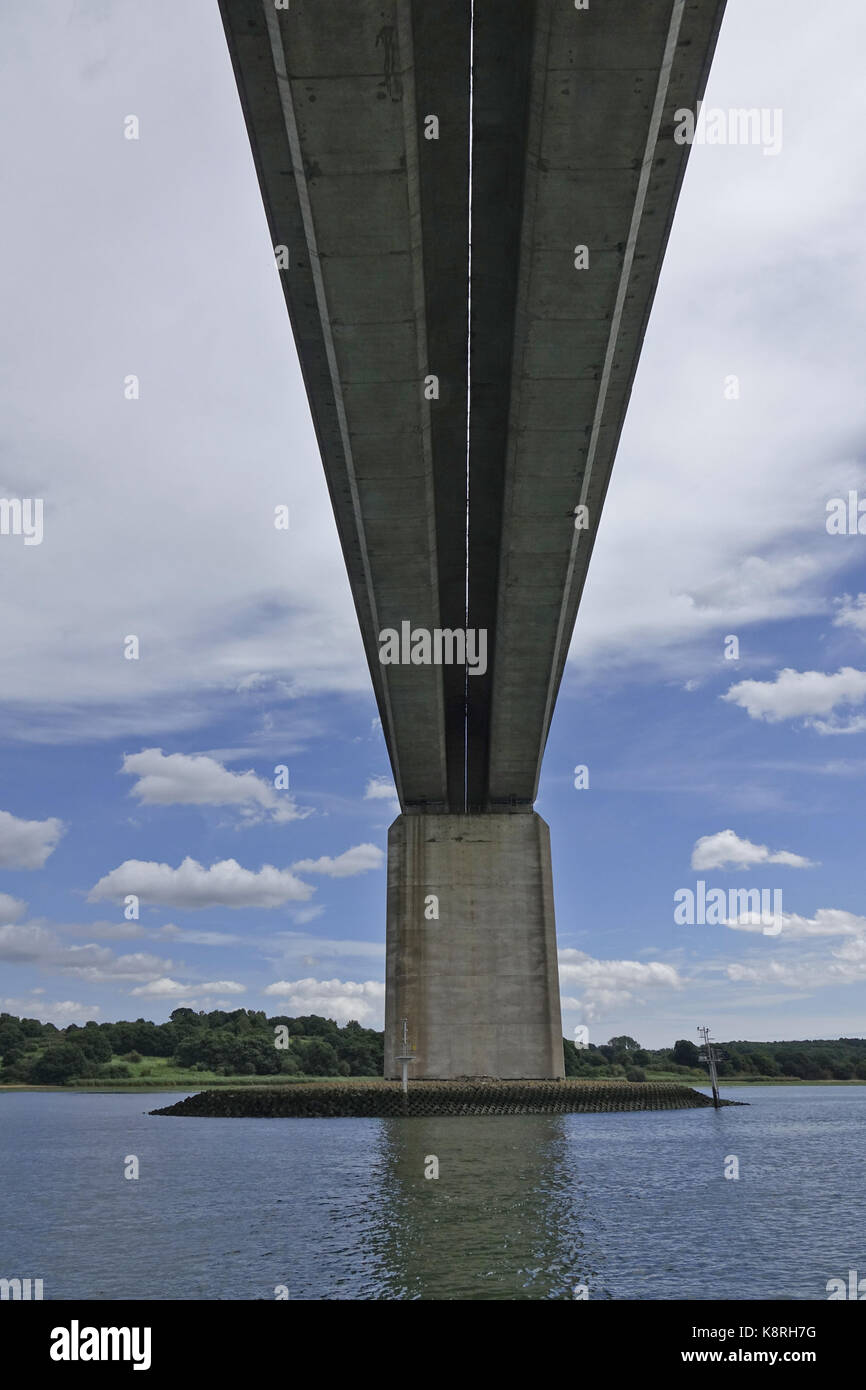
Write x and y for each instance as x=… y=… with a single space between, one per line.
x=710 y=1059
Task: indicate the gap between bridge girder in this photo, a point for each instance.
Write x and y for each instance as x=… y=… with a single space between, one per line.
x=502 y=51
x=441 y=41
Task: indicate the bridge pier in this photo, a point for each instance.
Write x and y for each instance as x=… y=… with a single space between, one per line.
x=471 y=947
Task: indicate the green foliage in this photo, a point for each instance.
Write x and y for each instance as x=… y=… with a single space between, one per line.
x=241 y=1043
x=317 y=1057
x=59 y=1064
x=685 y=1053
x=624 y=1044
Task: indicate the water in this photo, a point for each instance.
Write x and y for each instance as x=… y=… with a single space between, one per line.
x=633 y=1206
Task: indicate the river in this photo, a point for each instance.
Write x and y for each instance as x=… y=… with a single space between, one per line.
x=619 y=1206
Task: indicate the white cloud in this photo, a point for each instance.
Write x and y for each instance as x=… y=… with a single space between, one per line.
x=98 y=964
x=11 y=909
x=725 y=850
x=32 y=943
x=224 y=884
x=190 y=937
x=103 y=931
x=606 y=984
x=22 y=943
x=846 y=966
x=26 y=844
x=176 y=779
x=380 y=789
x=163 y=988
x=842 y=962
x=166 y=988
x=257 y=683
x=827 y=922
x=798 y=694
x=303 y=915
x=357 y=860
x=66 y=1011
x=834 y=726
x=338 y=999
x=293 y=946
x=852 y=612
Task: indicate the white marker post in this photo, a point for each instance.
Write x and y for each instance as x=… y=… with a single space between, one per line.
x=406 y=1057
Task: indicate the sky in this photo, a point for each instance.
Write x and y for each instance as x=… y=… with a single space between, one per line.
x=736 y=764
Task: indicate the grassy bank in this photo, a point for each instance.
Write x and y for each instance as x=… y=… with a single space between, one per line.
x=176 y=1079
x=160 y=1074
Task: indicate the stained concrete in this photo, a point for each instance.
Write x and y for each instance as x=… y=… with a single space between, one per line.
x=478 y=984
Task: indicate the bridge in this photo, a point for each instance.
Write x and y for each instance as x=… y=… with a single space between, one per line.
x=469 y=202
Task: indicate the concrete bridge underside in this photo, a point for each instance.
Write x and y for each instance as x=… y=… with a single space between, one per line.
x=455 y=503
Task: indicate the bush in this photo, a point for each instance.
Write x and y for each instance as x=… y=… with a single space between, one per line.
x=59 y=1064
x=317 y=1058
x=686 y=1054
x=18 y=1073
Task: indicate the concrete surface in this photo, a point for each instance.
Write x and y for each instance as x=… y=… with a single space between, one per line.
x=479 y=984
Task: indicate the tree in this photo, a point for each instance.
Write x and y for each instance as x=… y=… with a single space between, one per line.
x=317 y=1058
x=59 y=1064
x=685 y=1053
x=10 y=1035
x=95 y=1045
x=624 y=1044
x=32 y=1028
x=182 y=1018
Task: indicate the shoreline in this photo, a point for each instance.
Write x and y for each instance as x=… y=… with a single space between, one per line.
x=261 y=1083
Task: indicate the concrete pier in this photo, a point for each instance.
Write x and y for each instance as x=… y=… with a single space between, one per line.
x=471 y=947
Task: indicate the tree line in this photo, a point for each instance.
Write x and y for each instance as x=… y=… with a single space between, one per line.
x=242 y=1042
x=838 y=1059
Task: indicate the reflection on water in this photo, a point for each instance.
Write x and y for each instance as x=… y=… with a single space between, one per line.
x=502 y=1221
x=631 y=1205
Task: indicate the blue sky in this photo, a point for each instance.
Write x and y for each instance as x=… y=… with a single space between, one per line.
x=152 y=257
